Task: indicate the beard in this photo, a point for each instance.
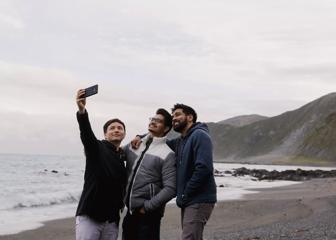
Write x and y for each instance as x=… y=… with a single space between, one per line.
x=180 y=126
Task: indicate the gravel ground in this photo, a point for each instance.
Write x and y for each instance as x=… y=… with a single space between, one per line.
x=318 y=226
x=305 y=211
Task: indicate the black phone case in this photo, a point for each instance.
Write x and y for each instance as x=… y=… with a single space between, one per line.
x=91 y=91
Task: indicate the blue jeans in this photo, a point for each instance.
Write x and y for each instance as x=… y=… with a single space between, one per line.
x=141 y=226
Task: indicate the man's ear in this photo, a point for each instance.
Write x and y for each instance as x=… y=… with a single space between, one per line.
x=190 y=118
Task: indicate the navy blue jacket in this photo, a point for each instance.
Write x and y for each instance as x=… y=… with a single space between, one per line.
x=195 y=172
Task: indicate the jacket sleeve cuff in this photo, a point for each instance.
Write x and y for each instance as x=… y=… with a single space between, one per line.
x=147 y=206
x=184 y=198
x=79 y=113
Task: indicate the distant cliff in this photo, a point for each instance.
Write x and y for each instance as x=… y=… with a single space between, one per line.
x=303 y=136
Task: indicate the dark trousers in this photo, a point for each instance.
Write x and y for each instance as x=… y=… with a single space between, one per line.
x=141 y=226
x=194 y=218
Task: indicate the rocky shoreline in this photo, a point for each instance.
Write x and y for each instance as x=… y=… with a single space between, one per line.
x=289 y=175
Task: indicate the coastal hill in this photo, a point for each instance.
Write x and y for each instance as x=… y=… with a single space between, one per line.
x=303 y=136
x=243 y=120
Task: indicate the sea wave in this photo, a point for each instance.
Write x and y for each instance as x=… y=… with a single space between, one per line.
x=45 y=202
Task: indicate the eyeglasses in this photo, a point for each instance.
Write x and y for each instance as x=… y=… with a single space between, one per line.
x=156 y=120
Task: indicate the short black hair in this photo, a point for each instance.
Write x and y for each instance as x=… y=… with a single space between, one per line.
x=108 y=123
x=186 y=110
x=167 y=118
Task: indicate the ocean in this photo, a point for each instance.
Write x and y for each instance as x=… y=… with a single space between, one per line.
x=38 y=188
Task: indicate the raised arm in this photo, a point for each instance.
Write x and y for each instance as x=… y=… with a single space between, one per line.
x=87 y=136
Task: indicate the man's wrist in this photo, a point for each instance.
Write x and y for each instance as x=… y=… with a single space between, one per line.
x=81 y=111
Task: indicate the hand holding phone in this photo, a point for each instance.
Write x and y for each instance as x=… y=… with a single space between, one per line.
x=90 y=91
x=82 y=94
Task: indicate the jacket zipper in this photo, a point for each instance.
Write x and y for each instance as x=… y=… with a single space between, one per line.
x=181 y=151
x=137 y=167
x=151 y=188
x=180 y=164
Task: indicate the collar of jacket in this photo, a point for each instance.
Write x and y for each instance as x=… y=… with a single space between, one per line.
x=190 y=130
x=110 y=145
x=156 y=140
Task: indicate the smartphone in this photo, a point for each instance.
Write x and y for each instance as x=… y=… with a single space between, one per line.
x=91 y=91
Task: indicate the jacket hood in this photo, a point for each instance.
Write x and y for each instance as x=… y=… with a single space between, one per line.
x=196 y=126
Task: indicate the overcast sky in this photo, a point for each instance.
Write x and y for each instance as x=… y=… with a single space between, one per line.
x=224 y=58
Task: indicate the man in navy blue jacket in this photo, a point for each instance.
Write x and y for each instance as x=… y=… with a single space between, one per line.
x=196 y=187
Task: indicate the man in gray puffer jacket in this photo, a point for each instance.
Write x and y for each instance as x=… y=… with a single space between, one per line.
x=151 y=180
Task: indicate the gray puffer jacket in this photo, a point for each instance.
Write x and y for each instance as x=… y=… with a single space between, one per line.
x=151 y=173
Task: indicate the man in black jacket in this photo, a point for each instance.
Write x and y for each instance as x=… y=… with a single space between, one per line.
x=98 y=211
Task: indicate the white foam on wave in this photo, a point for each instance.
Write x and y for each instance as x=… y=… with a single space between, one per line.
x=235 y=188
x=18 y=220
x=46 y=199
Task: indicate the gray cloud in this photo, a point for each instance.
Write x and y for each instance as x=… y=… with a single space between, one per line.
x=224 y=58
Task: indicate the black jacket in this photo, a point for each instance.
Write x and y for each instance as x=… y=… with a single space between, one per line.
x=104 y=178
